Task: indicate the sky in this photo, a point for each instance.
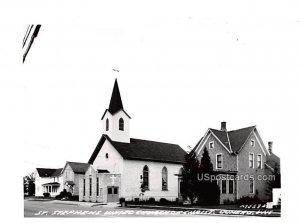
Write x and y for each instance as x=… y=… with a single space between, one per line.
x=179 y=74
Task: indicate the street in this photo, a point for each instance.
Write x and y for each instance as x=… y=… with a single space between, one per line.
x=57 y=209
x=54 y=208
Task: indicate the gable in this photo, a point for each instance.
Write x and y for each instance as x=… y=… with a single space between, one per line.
x=211 y=133
x=239 y=137
x=258 y=142
x=108 y=158
x=76 y=167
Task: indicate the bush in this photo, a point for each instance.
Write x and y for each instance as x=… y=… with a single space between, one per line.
x=74 y=198
x=136 y=200
x=228 y=202
x=249 y=200
x=65 y=194
x=164 y=201
x=151 y=200
x=46 y=194
x=122 y=201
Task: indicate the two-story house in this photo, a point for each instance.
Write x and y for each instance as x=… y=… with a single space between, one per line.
x=243 y=163
x=48 y=180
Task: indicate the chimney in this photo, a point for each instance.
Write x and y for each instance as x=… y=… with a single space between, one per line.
x=223 y=126
x=270 y=144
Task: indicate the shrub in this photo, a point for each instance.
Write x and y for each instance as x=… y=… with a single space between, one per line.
x=46 y=194
x=74 y=198
x=228 y=202
x=249 y=200
x=136 y=200
x=122 y=201
x=65 y=194
x=164 y=201
x=151 y=200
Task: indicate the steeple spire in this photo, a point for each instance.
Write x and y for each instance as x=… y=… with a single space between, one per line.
x=115 y=101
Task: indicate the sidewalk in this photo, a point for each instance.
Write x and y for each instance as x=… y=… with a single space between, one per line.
x=86 y=204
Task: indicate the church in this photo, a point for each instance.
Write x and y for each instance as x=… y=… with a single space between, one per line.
x=121 y=166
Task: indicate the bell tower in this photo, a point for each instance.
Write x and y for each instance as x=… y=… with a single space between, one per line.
x=115 y=120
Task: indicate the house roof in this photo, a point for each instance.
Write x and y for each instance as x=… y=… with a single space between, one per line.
x=273 y=160
x=235 y=139
x=77 y=167
x=51 y=184
x=102 y=171
x=115 y=104
x=139 y=149
x=48 y=172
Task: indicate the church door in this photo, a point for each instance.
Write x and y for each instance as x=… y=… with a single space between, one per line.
x=112 y=194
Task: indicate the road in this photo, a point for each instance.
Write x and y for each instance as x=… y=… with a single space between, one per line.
x=56 y=209
x=33 y=208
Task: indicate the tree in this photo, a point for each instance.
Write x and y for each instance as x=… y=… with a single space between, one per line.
x=275 y=182
x=190 y=173
x=209 y=192
x=29 y=185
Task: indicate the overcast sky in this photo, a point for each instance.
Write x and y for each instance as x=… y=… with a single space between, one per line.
x=183 y=69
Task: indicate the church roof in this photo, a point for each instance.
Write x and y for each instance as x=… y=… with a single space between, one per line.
x=80 y=168
x=139 y=149
x=48 y=172
x=115 y=104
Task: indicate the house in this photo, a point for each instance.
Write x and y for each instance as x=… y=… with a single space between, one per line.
x=244 y=165
x=71 y=173
x=129 y=162
x=48 y=181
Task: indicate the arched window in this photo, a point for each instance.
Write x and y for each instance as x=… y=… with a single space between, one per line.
x=164 y=177
x=121 y=124
x=146 y=177
x=107 y=124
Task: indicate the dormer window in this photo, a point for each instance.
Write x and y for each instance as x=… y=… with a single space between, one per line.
x=211 y=144
x=107 y=124
x=252 y=143
x=121 y=124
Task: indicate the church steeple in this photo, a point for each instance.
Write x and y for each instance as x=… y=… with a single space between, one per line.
x=115 y=104
x=115 y=120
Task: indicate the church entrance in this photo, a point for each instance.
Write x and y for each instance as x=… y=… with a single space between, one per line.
x=112 y=194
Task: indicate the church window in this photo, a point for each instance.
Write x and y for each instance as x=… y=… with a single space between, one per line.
x=121 y=124
x=83 y=187
x=97 y=186
x=107 y=124
x=146 y=177
x=90 y=186
x=164 y=174
x=106 y=155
